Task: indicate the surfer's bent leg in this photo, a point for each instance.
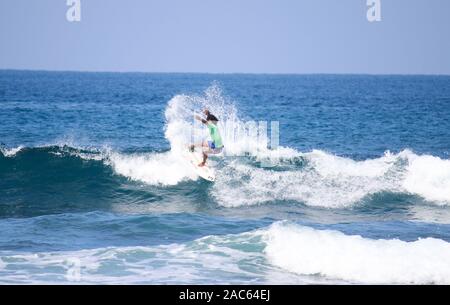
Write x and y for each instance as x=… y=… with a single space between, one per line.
x=212 y=151
x=209 y=145
x=205 y=156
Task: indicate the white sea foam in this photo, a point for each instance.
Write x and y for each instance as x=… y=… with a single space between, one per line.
x=180 y=130
x=355 y=259
x=242 y=184
x=429 y=177
x=324 y=180
x=11 y=152
x=240 y=137
x=152 y=168
x=261 y=256
x=199 y=261
x=329 y=181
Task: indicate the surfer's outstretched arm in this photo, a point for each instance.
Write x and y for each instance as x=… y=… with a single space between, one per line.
x=197 y=117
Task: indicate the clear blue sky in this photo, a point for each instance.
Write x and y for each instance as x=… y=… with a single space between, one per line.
x=255 y=36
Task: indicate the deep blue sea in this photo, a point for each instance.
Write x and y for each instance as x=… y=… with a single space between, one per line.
x=93 y=188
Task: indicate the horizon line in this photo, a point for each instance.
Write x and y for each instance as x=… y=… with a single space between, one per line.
x=226 y=73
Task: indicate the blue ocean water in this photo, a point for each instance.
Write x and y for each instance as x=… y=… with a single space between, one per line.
x=93 y=188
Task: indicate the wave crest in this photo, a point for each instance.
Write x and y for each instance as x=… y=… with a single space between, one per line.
x=332 y=254
x=326 y=180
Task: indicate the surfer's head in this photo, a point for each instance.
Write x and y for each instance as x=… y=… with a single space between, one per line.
x=210 y=117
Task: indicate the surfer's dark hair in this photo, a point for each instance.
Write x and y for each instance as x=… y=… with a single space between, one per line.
x=211 y=117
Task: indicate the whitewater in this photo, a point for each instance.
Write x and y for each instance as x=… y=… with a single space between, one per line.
x=97 y=191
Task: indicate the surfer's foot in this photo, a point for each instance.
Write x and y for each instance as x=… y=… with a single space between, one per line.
x=201 y=164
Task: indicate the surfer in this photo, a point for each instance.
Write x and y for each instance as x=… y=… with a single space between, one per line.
x=209 y=147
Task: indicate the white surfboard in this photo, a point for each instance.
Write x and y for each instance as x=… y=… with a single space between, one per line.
x=205 y=172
